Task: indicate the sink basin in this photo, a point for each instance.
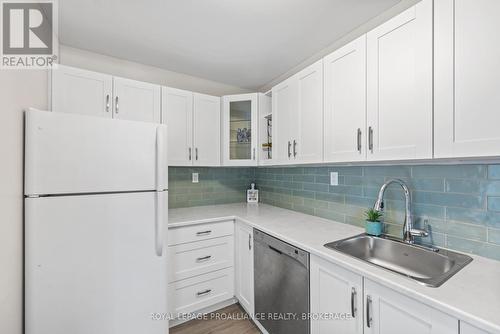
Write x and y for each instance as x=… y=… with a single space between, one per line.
x=428 y=266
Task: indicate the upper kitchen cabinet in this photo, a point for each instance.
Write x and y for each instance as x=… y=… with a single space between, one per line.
x=193 y=122
x=345 y=103
x=298 y=117
x=136 y=101
x=77 y=91
x=467 y=78
x=399 y=86
x=206 y=130
x=240 y=130
x=177 y=110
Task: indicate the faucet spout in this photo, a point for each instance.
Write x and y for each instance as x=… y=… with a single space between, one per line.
x=408 y=231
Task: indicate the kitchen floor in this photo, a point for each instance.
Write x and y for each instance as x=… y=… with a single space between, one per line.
x=229 y=320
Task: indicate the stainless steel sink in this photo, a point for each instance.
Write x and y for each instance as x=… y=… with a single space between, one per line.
x=429 y=266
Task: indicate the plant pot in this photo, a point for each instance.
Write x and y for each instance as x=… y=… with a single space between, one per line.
x=374 y=228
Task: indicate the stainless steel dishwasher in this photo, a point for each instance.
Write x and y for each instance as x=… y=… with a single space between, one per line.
x=281 y=274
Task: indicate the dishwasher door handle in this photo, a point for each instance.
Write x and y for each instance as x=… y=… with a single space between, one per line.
x=276 y=250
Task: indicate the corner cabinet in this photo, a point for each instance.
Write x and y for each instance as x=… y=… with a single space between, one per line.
x=389 y=312
x=193 y=122
x=298 y=117
x=467 y=78
x=78 y=91
x=335 y=291
x=240 y=130
x=244 y=267
x=399 y=86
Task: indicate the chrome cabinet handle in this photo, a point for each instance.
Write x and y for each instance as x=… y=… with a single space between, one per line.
x=196 y=153
x=289 y=149
x=249 y=242
x=203 y=233
x=254 y=153
x=294 y=148
x=370 y=139
x=353 y=302
x=359 y=140
x=107 y=103
x=202 y=293
x=117 y=106
x=204 y=258
x=190 y=149
x=368 y=311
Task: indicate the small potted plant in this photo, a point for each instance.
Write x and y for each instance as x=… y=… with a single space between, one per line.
x=373 y=224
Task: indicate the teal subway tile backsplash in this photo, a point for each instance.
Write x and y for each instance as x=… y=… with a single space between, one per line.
x=459 y=204
x=216 y=186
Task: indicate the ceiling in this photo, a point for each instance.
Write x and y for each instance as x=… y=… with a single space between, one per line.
x=245 y=43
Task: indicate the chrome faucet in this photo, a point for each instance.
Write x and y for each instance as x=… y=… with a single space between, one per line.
x=408 y=231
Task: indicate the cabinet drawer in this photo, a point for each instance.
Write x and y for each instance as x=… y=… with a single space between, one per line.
x=196 y=293
x=182 y=235
x=196 y=258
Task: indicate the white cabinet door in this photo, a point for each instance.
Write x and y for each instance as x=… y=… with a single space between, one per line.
x=244 y=267
x=465 y=328
x=399 y=86
x=81 y=92
x=335 y=290
x=240 y=130
x=177 y=107
x=136 y=101
x=345 y=103
x=284 y=118
x=467 y=78
x=307 y=139
x=389 y=312
x=206 y=130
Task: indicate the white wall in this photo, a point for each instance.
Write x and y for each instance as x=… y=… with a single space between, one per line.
x=124 y=68
x=19 y=89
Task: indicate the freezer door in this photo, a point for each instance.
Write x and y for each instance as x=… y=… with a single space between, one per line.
x=75 y=154
x=92 y=264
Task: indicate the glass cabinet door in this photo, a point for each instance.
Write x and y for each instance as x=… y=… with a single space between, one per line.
x=240 y=130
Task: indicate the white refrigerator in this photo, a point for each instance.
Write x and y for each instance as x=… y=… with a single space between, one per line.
x=95 y=225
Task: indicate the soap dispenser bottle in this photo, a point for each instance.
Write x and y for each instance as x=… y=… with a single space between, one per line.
x=252 y=194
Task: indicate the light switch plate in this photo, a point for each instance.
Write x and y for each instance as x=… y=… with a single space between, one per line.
x=334 y=178
x=195 y=178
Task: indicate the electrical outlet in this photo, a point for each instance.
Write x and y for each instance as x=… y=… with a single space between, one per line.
x=195 y=178
x=334 y=178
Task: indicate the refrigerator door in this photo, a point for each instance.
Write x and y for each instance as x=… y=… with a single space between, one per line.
x=93 y=264
x=74 y=154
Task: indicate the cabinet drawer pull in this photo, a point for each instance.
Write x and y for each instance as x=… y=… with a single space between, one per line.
x=368 y=311
x=203 y=293
x=294 y=148
x=203 y=233
x=289 y=149
x=117 y=106
x=204 y=258
x=196 y=153
x=359 y=140
x=370 y=139
x=353 y=302
x=190 y=149
x=249 y=242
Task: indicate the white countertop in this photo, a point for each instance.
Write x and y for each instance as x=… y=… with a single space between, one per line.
x=472 y=295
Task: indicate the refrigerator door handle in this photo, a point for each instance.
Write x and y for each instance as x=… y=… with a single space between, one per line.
x=160 y=158
x=159 y=223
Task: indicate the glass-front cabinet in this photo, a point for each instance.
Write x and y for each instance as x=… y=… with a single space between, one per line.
x=240 y=130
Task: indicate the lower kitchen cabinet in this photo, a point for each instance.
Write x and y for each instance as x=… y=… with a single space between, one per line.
x=244 y=267
x=465 y=328
x=389 y=312
x=336 y=299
